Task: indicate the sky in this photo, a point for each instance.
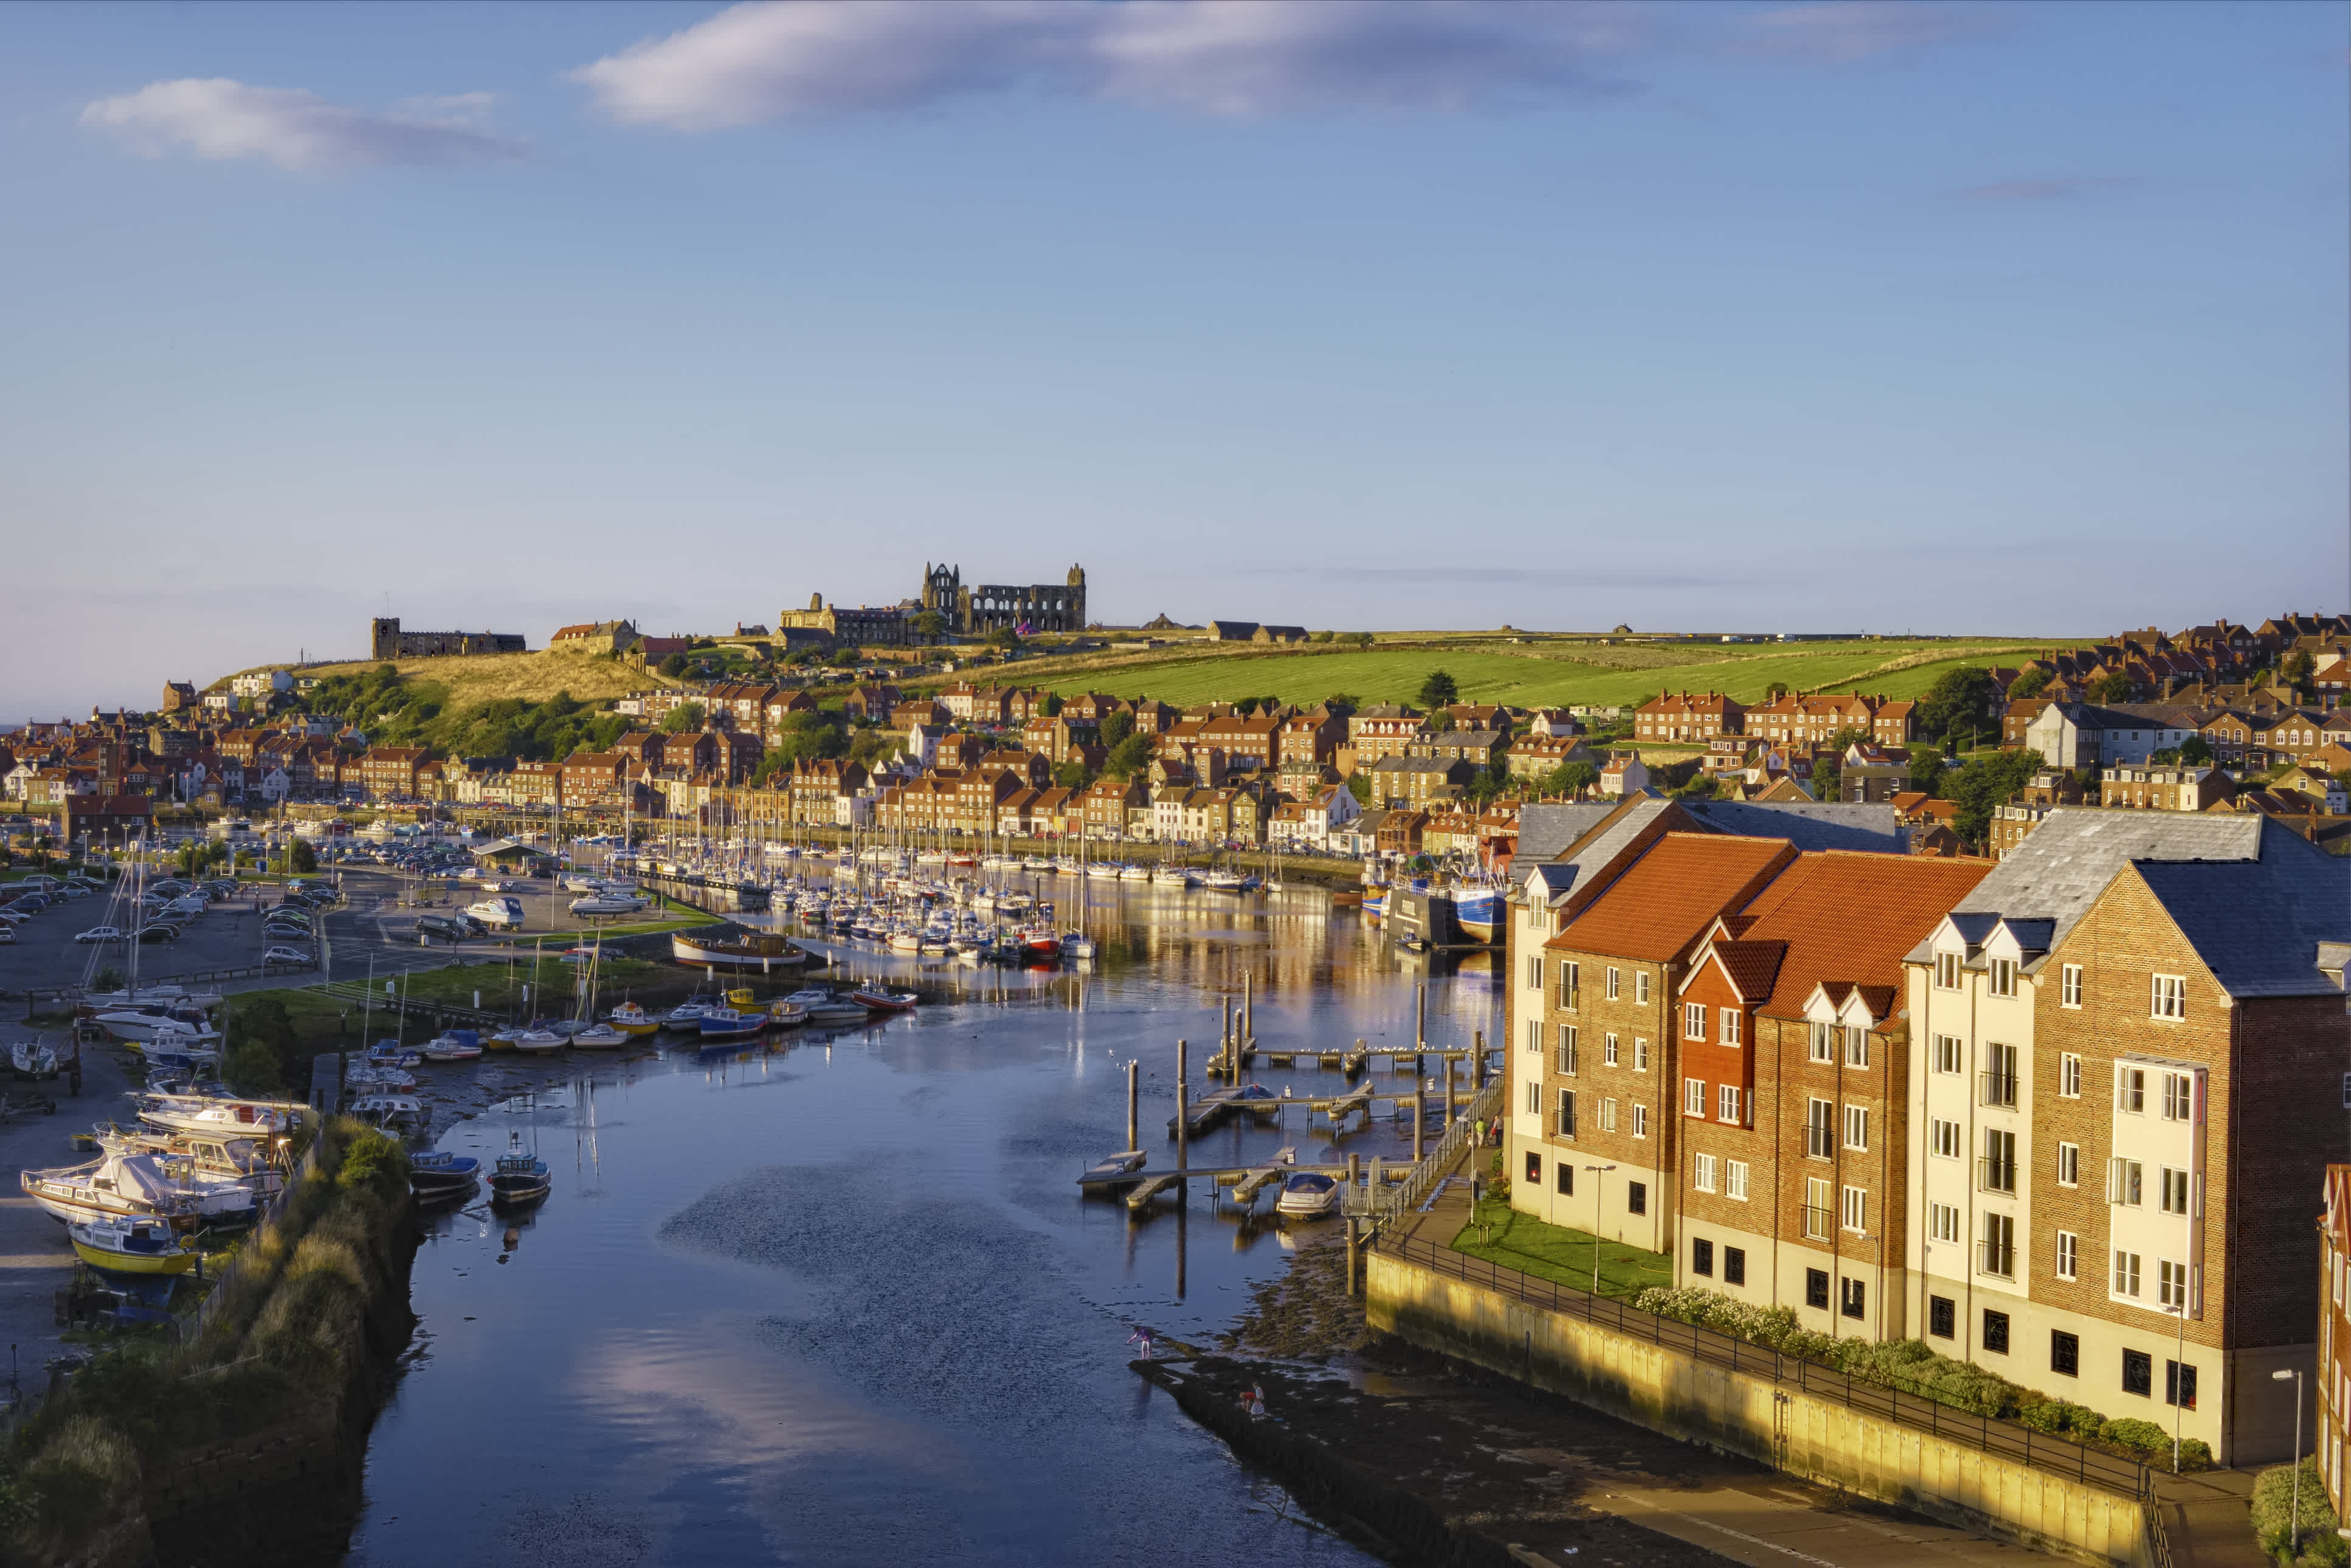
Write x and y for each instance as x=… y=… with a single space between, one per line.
x=1947 y=318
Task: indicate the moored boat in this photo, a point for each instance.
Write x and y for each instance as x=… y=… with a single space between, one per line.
x=873 y=998
x=632 y=1019
x=456 y=1045
x=599 y=1036
x=748 y=950
x=520 y=1176
x=539 y=1041
x=439 y=1174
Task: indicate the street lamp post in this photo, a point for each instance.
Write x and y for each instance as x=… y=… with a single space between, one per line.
x=2294 y=1519
x=1598 y=1171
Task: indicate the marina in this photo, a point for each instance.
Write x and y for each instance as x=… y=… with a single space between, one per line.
x=936 y=1371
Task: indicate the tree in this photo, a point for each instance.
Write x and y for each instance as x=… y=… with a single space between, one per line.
x=684 y=717
x=930 y=625
x=1070 y=774
x=1116 y=726
x=2028 y=684
x=1775 y=691
x=1438 y=690
x=253 y=1068
x=1129 y=757
x=300 y=858
x=1053 y=704
x=1359 y=785
x=1958 y=703
x=2113 y=686
x=1004 y=637
x=673 y=667
x=1985 y=781
x=1577 y=778
x=1926 y=770
x=1343 y=701
x=2298 y=667
x=1322 y=637
x=841 y=655
x=2196 y=751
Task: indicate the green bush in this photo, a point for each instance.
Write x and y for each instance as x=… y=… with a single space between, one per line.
x=2276 y=1514
x=253 y=1068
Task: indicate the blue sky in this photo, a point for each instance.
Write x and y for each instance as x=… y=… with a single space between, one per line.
x=1971 y=319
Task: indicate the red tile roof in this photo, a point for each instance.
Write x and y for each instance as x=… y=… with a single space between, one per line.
x=1672 y=896
x=1850 y=918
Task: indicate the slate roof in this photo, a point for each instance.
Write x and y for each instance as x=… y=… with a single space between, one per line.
x=2258 y=925
x=2058 y=873
x=1546 y=832
x=1809 y=825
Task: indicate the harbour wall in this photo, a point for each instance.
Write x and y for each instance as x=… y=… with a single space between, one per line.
x=1670 y=1391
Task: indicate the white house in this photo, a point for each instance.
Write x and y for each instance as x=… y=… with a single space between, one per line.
x=2084 y=734
x=1624 y=774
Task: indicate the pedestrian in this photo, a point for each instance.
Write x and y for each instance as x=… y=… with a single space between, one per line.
x=1144 y=1335
x=1257 y=1402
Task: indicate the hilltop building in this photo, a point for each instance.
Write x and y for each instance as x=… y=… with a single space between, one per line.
x=387 y=640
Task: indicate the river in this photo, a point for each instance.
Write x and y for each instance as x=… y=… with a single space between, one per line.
x=839 y=1301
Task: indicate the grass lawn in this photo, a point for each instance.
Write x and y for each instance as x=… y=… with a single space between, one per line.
x=1500 y=1234
x=318 y=1018
x=1541 y=676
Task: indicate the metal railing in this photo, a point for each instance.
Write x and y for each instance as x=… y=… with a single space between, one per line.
x=1486 y=1105
x=1818 y=1222
x=1998 y=1088
x=1820 y=1141
x=1994 y=1173
x=1988 y=1434
x=1996 y=1257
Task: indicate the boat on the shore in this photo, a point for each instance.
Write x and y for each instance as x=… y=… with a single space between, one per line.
x=456 y=1045
x=537 y=1041
x=130 y=1247
x=746 y=950
x=599 y=1036
x=394 y=1112
x=632 y=1019
x=33 y=1059
x=201 y=1114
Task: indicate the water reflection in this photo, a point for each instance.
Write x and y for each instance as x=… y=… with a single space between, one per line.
x=839 y=1301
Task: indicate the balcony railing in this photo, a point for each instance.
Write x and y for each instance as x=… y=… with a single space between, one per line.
x=1998 y=1088
x=1820 y=1142
x=1996 y=1258
x=1563 y=1124
x=1994 y=1173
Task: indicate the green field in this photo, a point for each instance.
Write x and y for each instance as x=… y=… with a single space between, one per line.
x=1537 y=676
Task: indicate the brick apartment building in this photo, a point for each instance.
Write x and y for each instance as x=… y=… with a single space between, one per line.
x=2129 y=1079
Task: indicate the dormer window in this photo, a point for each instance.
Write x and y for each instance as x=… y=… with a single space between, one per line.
x=1946 y=971
x=2003 y=978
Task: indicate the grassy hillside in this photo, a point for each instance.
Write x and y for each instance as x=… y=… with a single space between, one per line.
x=471 y=681
x=1535 y=676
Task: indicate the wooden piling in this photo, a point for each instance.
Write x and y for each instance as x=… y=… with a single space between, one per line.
x=1133 y=1103
x=1249 y=1006
x=1419 y=1110
x=1183 y=1106
x=1478 y=1061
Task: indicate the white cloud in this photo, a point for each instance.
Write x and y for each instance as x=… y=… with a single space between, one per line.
x=218 y=117
x=763 y=60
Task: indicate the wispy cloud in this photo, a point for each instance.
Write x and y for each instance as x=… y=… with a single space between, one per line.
x=766 y=60
x=2065 y=189
x=222 y=118
x=1849 y=31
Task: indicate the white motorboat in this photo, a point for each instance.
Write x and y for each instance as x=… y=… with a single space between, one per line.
x=34 y=1059
x=379 y=1080
x=143 y=1028
x=457 y=1045
x=197 y=1114
x=1135 y=873
x=1305 y=1193
x=1171 y=877
x=600 y=1037
x=606 y=903
x=539 y=1041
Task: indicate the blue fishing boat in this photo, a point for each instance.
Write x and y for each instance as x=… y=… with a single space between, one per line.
x=723 y=1025
x=437 y=1173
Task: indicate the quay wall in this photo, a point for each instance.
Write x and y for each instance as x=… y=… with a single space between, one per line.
x=1668 y=1391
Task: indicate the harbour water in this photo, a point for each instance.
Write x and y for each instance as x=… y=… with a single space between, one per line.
x=839 y=1301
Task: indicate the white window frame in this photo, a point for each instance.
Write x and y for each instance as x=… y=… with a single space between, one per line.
x=1944 y=1135
x=2069 y=1076
x=1730 y=1106
x=1856 y=1046
x=2069 y=1165
x=1694 y=1097
x=1702 y=1173
x=1857 y=1128
x=1608 y=1115
x=2130 y=1089
x=1611 y=982
x=1950 y=1054
x=2124 y=1281
x=1816 y=1040
x=2178 y=1097
x=1641 y=986
x=1943 y=1223
x=1732 y=1028
x=2167 y=998
x=1535 y=1097
x=1946 y=971
x=2069 y=986
x=2001 y=978
x=2069 y=1255
x=1734 y=1180
x=1608 y=1051
x=1694 y=1020
x=1640 y=1118
x=1534 y=1035
x=1640 y=1053
x=1853 y=1210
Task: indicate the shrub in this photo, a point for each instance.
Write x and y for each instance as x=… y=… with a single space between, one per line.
x=2130 y=1432
x=253 y=1068
x=2276 y=1514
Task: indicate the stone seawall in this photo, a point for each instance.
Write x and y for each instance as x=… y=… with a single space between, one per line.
x=1803 y=1434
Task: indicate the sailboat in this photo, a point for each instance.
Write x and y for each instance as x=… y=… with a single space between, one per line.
x=591 y=1034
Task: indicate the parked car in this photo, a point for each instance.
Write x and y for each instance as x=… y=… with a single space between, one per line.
x=162 y=931
x=8 y=934
x=446 y=928
x=74 y=890
x=99 y=933
x=285 y=955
